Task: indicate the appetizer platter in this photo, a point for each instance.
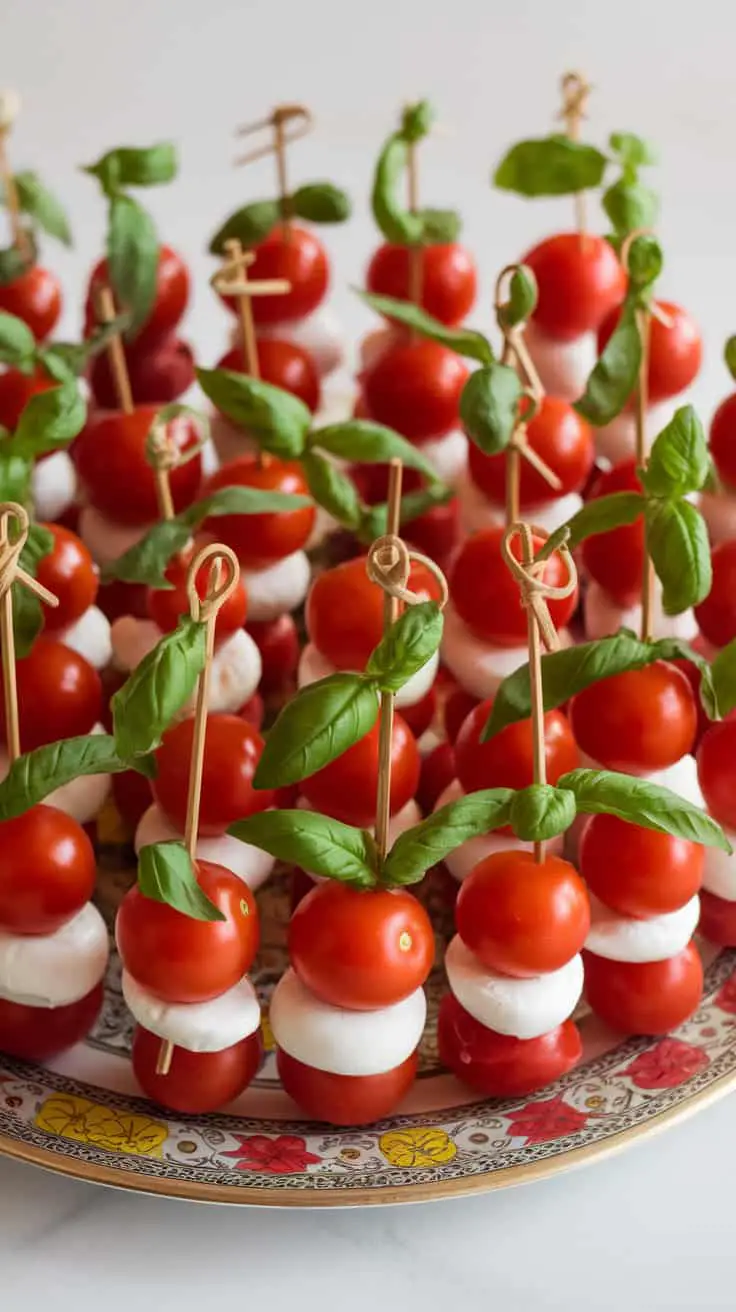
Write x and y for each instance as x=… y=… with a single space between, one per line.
x=367 y=738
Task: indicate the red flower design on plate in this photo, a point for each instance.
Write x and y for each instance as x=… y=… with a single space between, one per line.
x=539 y=1122
x=726 y=999
x=666 y=1064
x=285 y=1155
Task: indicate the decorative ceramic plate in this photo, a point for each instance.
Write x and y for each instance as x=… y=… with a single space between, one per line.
x=83 y=1117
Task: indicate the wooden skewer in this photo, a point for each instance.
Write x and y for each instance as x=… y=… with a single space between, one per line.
x=300 y=119
x=11 y=546
x=386 y=723
x=231 y=279
x=575 y=92
x=105 y=310
x=643 y=324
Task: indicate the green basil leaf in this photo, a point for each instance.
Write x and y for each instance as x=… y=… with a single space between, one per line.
x=464 y=341
x=157 y=689
x=17 y=343
x=723 y=675
x=42 y=206
x=277 y=420
x=314 y=842
x=248 y=225
x=417 y=120
x=331 y=489
x=15 y=475
x=27 y=612
x=374 y=519
x=320 y=202
x=645 y=261
x=522 y=298
x=146 y=562
x=439 y=227
x=679 y=461
x=166 y=874
x=489 y=407
x=316 y=727
x=50 y=420
x=633 y=151
x=428 y=843
x=630 y=205
x=642 y=803
x=364 y=442
x=677 y=540
x=541 y=811
x=237 y=500
x=729 y=355
x=395 y=222
x=410 y=642
x=552 y=166
x=14 y=263
x=36 y=774
x=129 y=166
x=615 y=374
x=63 y=360
x=132 y=258
x=599 y=515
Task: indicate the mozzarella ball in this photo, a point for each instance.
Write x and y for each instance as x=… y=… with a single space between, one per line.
x=465 y=858
x=90 y=636
x=603 y=616
x=131 y=640
x=54 y=970
x=477 y=512
x=719 y=870
x=199 y=1026
x=448 y=456
x=621 y=938
x=249 y=863
x=53 y=485
x=479 y=667
x=82 y=798
x=104 y=539
x=236 y=666
x=376 y=343
x=563 y=367
x=320 y=334
x=719 y=512
x=523 y=1008
x=617 y=441
x=278 y=589
x=314 y=666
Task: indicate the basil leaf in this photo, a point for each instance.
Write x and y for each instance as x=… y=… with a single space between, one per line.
x=677 y=541
x=248 y=225
x=17 y=343
x=277 y=420
x=417 y=120
x=522 y=298
x=723 y=675
x=38 y=202
x=64 y=360
x=678 y=461
x=332 y=489
x=364 y=442
x=489 y=407
x=541 y=811
x=642 y=803
x=129 y=166
x=316 y=727
x=410 y=642
x=464 y=341
x=428 y=843
x=729 y=355
x=633 y=151
x=645 y=261
x=439 y=227
x=395 y=222
x=320 y=202
x=615 y=374
x=14 y=263
x=237 y=500
x=15 y=476
x=36 y=774
x=27 y=612
x=50 y=420
x=630 y=205
x=146 y=562
x=314 y=842
x=552 y=166
x=599 y=515
x=158 y=688
x=132 y=258
x=166 y=874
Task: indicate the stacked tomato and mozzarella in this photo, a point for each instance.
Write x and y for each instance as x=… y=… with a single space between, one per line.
x=69 y=572
x=54 y=479
x=717 y=776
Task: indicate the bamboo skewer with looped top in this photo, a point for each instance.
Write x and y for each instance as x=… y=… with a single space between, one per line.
x=9 y=110
x=302 y=122
x=231 y=279
x=535 y=594
x=105 y=312
x=12 y=573
x=222 y=580
x=575 y=92
x=163 y=455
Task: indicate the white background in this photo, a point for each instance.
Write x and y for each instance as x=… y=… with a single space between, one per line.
x=652 y=1229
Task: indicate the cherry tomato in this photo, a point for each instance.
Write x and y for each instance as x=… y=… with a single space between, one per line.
x=437 y=773
x=361 y=949
x=298 y=256
x=448 y=278
x=717 y=771
x=637 y=722
x=158 y=374
x=172 y=295
x=616 y=559
x=458 y=706
x=110 y=456
x=59 y=694
x=345 y=1099
x=636 y=871
x=506 y=761
x=196 y=1082
x=675 y=350
x=648 y=997
x=282 y=364
x=181 y=959
x=722 y=440
x=253 y=711
x=415 y=388
x=420 y=715
x=486 y=595
x=117 y=598
x=16 y=390
x=167 y=605
x=34 y=297
x=579 y=279
x=498 y=1065
x=560 y=437
x=717 y=920
x=278 y=642
x=694 y=678
x=39 y=1033
x=262 y=540
x=232 y=751
x=69 y=572
x=437 y=532
x=344 y=611
x=346 y=789
x=47 y=871
x=716 y=615
x=132 y=796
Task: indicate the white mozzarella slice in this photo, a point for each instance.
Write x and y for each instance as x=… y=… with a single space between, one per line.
x=82 y=798
x=478 y=512
x=523 y=1008
x=337 y=404
x=320 y=333
x=236 y=666
x=104 y=538
x=448 y=457
x=621 y=938
x=617 y=441
x=249 y=863
x=344 y=1042
x=54 y=970
x=719 y=512
x=278 y=589
x=196 y=1026
x=603 y=616
x=478 y=666
x=53 y=485
x=90 y=636
x=719 y=870
x=563 y=367
x=132 y=639
x=314 y=666
x=467 y=855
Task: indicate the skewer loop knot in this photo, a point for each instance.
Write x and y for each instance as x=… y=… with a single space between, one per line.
x=528 y=573
x=223 y=580
x=389 y=565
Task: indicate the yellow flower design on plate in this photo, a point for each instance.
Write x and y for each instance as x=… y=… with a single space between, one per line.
x=425 y=1146
x=102 y=1127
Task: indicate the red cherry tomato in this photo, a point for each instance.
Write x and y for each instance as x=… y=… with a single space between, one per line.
x=520 y=916
x=437 y=532
x=415 y=388
x=716 y=615
x=437 y=773
x=69 y=572
x=158 y=374
x=262 y=540
x=579 y=279
x=498 y=1065
x=59 y=694
x=637 y=722
x=717 y=920
x=117 y=598
x=458 y=706
x=184 y=960
x=506 y=761
x=253 y=711
x=344 y=612
x=282 y=364
x=616 y=559
x=39 y=1033
x=34 y=297
x=278 y=642
x=722 y=438
x=560 y=437
x=361 y=949
x=345 y=1099
x=420 y=715
x=717 y=771
x=16 y=390
x=694 y=678
x=675 y=350
x=47 y=871
x=346 y=789
x=167 y=605
x=486 y=595
x=132 y=795
x=196 y=1082
x=232 y=751
x=110 y=456
x=448 y=278
x=172 y=295
x=648 y=997
x=298 y=256
x=636 y=871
